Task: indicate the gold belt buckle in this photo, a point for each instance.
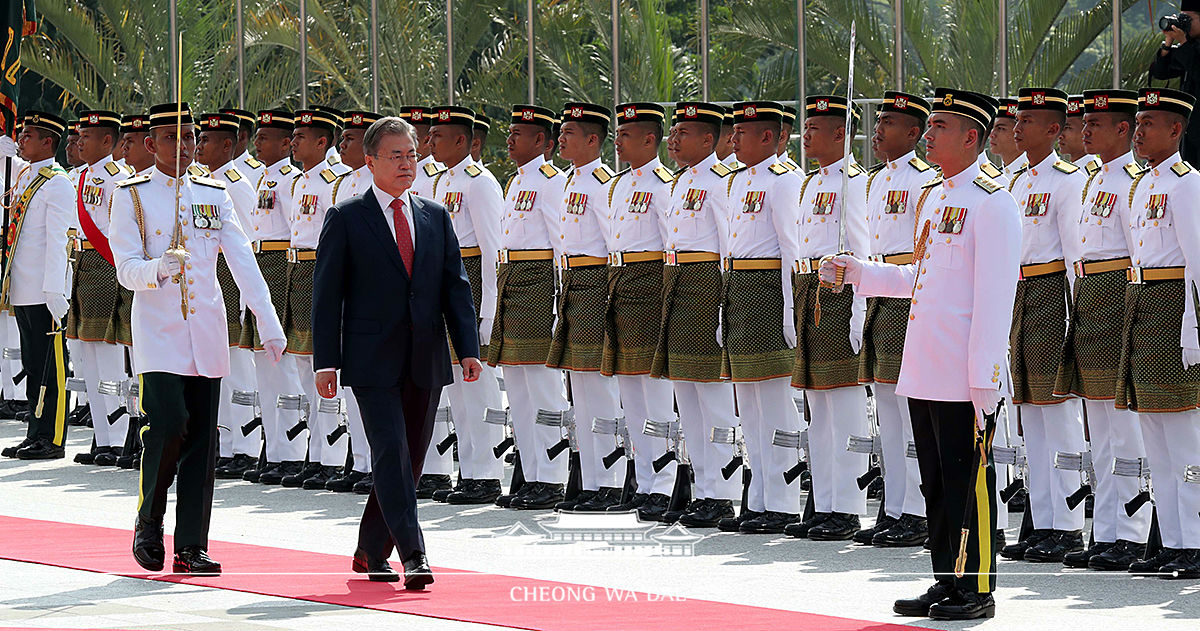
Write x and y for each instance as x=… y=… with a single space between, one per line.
x=257 y=247
x=293 y=255
x=616 y=259
x=804 y=266
x=1135 y=276
x=877 y=258
x=1079 y=267
x=78 y=244
x=672 y=257
x=503 y=255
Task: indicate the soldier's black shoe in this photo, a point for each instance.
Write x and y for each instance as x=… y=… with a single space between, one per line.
x=1052 y=549
x=569 y=505
x=80 y=416
x=222 y=461
x=1081 y=558
x=709 y=514
x=919 y=606
x=148 y=548
x=9 y=409
x=654 y=507
x=365 y=485
x=635 y=502
x=1119 y=557
x=378 y=570
x=1186 y=565
x=801 y=529
x=296 y=480
x=604 y=499
x=107 y=458
x=769 y=523
x=318 y=481
x=345 y=483
x=236 y=467
x=430 y=482
x=543 y=496
x=672 y=516
x=130 y=460
x=839 y=527
x=23 y=415
x=41 y=450
x=440 y=495
x=962 y=605
x=1153 y=566
x=477 y=492
x=11 y=451
x=254 y=473
x=284 y=469
x=908 y=532
x=998 y=541
x=866 y=535
x=1016 y=551
x=734 y=524
x=89 y=456
x=195 y=560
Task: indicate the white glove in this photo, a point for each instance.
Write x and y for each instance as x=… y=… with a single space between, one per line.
x=274 y=349
x=485 y=331
x=789 y=327
x=8 y=147
x=720 y=328
x=828 y=271
x=1191 y=357
x=56 y=303
x=855 y=340
x=985 y=401
x=169 y=265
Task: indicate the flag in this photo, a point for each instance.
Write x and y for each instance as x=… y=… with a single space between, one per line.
x=19 y=20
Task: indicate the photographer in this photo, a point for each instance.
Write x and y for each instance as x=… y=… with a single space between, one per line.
x=1179 y=56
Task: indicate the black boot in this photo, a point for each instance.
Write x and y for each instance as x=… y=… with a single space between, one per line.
x=1081 y=558
x=839 y=527
x=1016 y=551
x=1153 y=566
x=296 y=480
x=800 y=529
x=318 y=481
x=709 y=514
x=148 y=548
x=1052 y=549
x=284 y=469
x=364 y=486
x=477 y=492
x=769 y=523
x=919 y=606
x=654 y=507
x=866 y=535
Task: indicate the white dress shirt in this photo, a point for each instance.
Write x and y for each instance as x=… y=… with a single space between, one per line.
x=99 y=181
x=385 y=204
x=1103 y=221
x=38 y=264
x=698 y=218
x=637 y=204
x=531 y=201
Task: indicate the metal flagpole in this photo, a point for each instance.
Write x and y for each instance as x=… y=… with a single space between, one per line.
x=898 y=52
x=303 y=54
x=1116 y=43
x=449 y=53
x=616 y=66
x=173 y=47
x=704 y=50
x=529 y=44
x=801 y=74
x=1002 y=44
x=374 y=55
x=241 y=56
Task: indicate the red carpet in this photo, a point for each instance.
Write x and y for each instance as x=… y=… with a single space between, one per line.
x=457 y=595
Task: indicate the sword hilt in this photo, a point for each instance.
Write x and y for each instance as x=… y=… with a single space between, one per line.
x=960 y=564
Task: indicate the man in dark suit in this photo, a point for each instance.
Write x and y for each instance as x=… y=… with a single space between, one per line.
x=388 y=286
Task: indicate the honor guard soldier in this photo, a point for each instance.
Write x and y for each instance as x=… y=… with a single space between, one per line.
x=332 y=157
x=1049 y=193
x=1002 y=144
x=725 y=154
x=239 y=449
x=785 y=138
x=1070 y=141
x=94 y=281
x=832 y=218
x=475 y=205
x=135 y=128
x=12 y=401
x=525 y=307
x=1159 y=368
x=638 y=198
x=270 y=239
x=688 y=352
x=583 y=295
x=35 y=282
x=1088 y=368
x=169 y=259
x=962 y=285
x=74 y=161
x=479 y=134
x=250 y=167
x=757 y=322
x=892 y=192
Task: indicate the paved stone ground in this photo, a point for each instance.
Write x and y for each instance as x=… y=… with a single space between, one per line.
x=826 y=578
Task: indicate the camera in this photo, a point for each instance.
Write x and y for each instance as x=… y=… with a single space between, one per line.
x=1181 y=21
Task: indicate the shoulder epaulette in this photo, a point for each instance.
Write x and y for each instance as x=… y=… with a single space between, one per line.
x=778 y=168
x=854 y=171
x=720 y=169
x=919 y=164
x=328 y=176
x=254 y=163
x=232 y=175
x=791 y=164
x=990 y=170
x=932 y=183
x=112 y=168
x=1133 y=170
x=129 y=170
x=1181 y=169
x=334 y=159
x=1092 y=166
x=431 y=169
x=285 y=169
x=135 y=180
x=473 y=170
x=663 y=174
x=602 y=174
x=549 y=170
x=1065 y=167
x=197 y=170
x=206 y=181
x=987 y=184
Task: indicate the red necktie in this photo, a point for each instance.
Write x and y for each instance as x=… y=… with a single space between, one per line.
x=403 y=234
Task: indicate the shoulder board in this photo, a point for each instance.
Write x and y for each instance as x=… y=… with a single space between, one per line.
x=1133 y=170
x=990 y=170
x=987 y=184
x=287 y=168
x=112 y=168
x=206 y=181
x=791 y=164
x=196 y=169
x=854 y=171
x=254 y=163
x=1065 y=167
x=328 y=176
x=919 y=164
x=473 y=170
x=663 y=174
x=133 y=181
x=778 y=168
x=97 y=180
x=720 y=169
x=333 y=159
x=602 y=174
x=1181 y=169
x=932 y=183
x=431 y=169
x=1092 y=166
x=232 y=175
x=549 y=170
x=129 y=170
x=876 y=168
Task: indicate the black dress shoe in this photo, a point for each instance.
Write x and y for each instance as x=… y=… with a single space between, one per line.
x=919 y=606
x=672 y=516
x=344 y=483
x=769 y=523
x=839 y=527
x=296 y=480
x=148 y=548
x=254 y=474
x=478 y=492
x=964 y=606
x=195 y=560
x=440 y=495
x=23 y=416
x=1186 y=565
x=569 y=505
x=222 y=461
x=654 y=507
x=378 y=570
x=604 y=499
x=89 y=456
x=801 y=529
x=416 y=572
x=81 y=416
x=107 y=458
x=866 y=535
x=1052 y=549
x=430 y=482
x=1119 y=557
x=910 y=531
x=130 y=460
x=708 y=515
x=11 y=452
x=318 y=481
x=236 y=467
x=1081 y=558
x=1016 y=551
x=635 y=502
x=1017 y=503
x=1153 y=566
x=285 y=469
x=41 y=450
x=734 y=524
x=365 y=485
x=542 y=496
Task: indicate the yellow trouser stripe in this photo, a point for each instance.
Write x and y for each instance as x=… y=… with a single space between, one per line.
x=983 y=519
x=141 y=432
x=60 y=380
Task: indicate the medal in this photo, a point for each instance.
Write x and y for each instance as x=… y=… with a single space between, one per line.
x=753 y=202
x=453 y=202
x=266 y=200
x=639 y=203
x=896 y=202
x=206 y=216
x=576 y=203
x=308 y=204
x=1103 y=204
x=693 y=200
x=952 y=220
x=1037 y=204
x=91 y=195
x=1156 y=207
x=524 y=200
x=823 y=203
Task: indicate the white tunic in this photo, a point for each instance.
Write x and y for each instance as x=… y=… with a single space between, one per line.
x=531 y=201
x=1102 y=228
x=250 y=167
x=698 y=218
x=763 y=215
x=99 y=181
x=274 y=201
x=352 y=184
x=312 y=196
x=39 y=261
x=427 y=169
x=475 y=204
x=1049 y=195
x=638 y=200
x=583 y=219
x=892 y=194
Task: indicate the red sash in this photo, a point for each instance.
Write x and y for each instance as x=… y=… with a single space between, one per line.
x=94 y=236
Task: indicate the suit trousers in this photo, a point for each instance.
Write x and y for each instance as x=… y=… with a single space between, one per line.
x=764 y=407
x=1050 y=429
x=45 y=359
x=643 y=397
x=835 y=416
x=399 y=422
x=901 y=475
x=179 y=443
x=703 y=406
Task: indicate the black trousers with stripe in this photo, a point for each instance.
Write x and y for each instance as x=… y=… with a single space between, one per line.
x=944 y=434
x=44 y=357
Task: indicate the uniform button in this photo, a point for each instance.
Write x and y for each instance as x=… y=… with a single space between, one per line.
x=1099 y=222
x=674 y=229
x=925 y=271
x=912 y=317
x=1156 y=223
x=735 y=234
x=1028 y=186
x=806 y=239
x=152 y=286
x=192 y=311
x=947 y=239
x=562 y=236
x=618 y=235
x=1139 y=243
x=942 y=197
x=822 y=220
x=1035 y=221
x=192 y=296
x=191 y=281
x=1151 y=185
x=919 y=285
x=876 y=236
x=189 y=266
x=889 y=178
x=158 y=232
x=994 y=380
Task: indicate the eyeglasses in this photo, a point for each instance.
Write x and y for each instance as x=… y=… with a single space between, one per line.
x=397 y=159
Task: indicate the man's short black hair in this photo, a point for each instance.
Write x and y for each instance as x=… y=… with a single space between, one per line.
x=55 y=139
x=647 y=127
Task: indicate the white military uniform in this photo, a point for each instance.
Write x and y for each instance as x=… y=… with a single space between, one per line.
x=9 y=369
x=250 y=167
x=475 y=202
x=435 y=463
x=838 y=413
x=1049 y=429
x=1169 y=236
x=39 y=262
x=427 y=170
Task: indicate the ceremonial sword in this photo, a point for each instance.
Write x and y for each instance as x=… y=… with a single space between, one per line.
x=839 y=280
